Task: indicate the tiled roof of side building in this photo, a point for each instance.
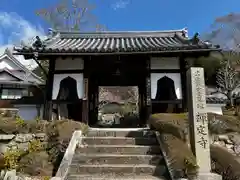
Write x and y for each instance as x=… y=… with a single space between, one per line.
x=116 y=42
x=33 y=78
x=215 y=100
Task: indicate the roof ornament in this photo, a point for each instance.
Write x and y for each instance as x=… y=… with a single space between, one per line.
x=51 y=32
x=195 y=39
x=38 y=43
x=35 y=54
x=185 y=33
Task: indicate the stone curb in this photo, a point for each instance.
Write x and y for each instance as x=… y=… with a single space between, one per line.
x=75 y=141
x=171 y=173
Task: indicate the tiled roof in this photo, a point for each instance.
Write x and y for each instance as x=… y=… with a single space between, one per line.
x=116 y=42
x=25 y=74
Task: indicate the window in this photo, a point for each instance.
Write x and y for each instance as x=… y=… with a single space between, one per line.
x=11 y=93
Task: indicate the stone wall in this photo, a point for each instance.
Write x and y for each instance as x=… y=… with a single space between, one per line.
x=20 y=140
x=230 y=142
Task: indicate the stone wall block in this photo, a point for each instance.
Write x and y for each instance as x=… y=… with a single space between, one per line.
x=22 y=138
x=41 y=136
x=20 y=141
x=6 y=137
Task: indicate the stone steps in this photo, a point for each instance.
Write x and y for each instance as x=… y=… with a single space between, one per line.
x=112 y=133
x=95 y=159
x=113 y=177
x=117 y=169
x=119 y=149
x=118 y=154
x=119 y=140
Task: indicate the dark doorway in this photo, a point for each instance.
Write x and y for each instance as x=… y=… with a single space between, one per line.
x=110 y=72
x=165 y=89
x=69 y=97
x=165 y=94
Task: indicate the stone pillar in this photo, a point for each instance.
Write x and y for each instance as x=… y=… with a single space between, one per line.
x=198 y=123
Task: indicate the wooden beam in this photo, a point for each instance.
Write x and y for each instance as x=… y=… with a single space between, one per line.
x=165 y=70
x=183 y=75
x=72 y=71
x=85 y=101
x=148 y=89
x=47 y=115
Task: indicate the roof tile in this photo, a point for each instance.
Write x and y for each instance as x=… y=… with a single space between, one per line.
x=113 y=42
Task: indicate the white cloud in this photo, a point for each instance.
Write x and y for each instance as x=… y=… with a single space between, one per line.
x=120 y=4
x=13 y=30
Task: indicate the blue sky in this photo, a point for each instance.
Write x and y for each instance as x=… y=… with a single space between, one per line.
x=197 y=16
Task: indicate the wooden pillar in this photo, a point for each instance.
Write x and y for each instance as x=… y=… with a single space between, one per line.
x=85 y=100
x=47 y=115
x=148 y=89
x=183 y=75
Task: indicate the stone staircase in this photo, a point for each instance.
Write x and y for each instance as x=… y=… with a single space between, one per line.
x=109 y=154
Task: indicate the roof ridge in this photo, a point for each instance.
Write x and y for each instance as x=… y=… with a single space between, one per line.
x=121 y=34
x=117 y=42
x=116 y=32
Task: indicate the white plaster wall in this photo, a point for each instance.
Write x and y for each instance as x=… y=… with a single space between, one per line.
x=165 y=63
x=6 y=63
x=6 y=77
x=29 y=112
x=59 y=77
x=174 y=76
x=215 y=108
x=69 y=64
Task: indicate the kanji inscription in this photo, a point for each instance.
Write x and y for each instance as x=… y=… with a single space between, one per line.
x=198 y=118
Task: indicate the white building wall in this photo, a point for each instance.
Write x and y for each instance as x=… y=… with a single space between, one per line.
x=68 y=64
x=174 y=76
x=6 y=63
x=29 y=112
x=59 y=77
x=164 y=63
x=6 y=77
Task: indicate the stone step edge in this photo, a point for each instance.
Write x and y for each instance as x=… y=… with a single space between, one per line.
x=117 y=155
x=118 y=137
x=119 y=145
x=117 y=165
x=121 y=129
x=112 y=177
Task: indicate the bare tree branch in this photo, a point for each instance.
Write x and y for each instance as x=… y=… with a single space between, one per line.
x=227 y=79
x=70 y=15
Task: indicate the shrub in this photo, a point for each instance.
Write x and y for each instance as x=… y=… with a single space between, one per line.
x=172 y=128
x=20 y=122
x=47 y=156
x=12 y=157
x=224 y=163
x=35 y=164
x=34 y=146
